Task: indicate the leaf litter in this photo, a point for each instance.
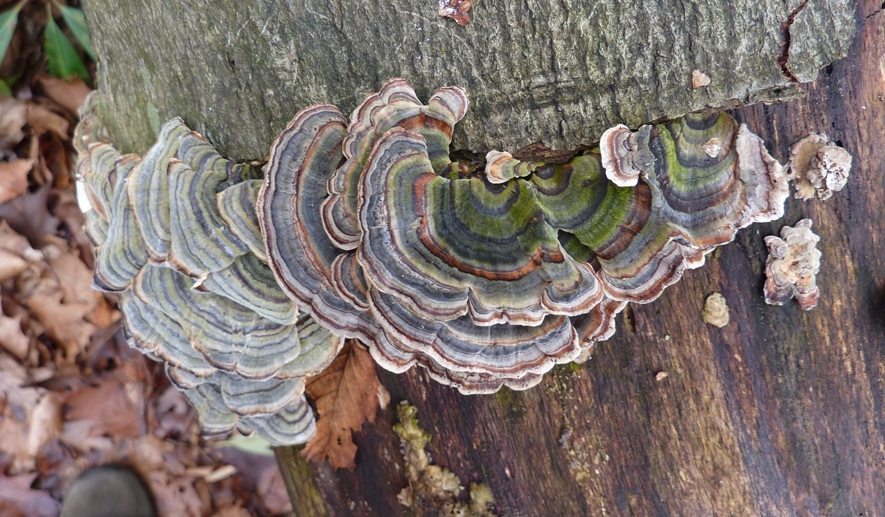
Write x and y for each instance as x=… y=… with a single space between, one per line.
x=73 y=395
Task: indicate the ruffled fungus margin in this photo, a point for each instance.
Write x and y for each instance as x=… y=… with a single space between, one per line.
x=366 y=229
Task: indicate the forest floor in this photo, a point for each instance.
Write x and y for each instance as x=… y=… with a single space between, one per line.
x=73 y=395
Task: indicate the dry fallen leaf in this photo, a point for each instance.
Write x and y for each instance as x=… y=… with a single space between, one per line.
x=108 y=407
x=14 y=178
x=64 y=322
x=46 y=422
x=11 y=264
x=73 y=275
x=16 y=254
x=16 y=495
x=17 y=403
x=67 y=94
x=18 y=244
x=12 y=337
x=13 y=117
x=346 y=395
x=42 y=119
x=175 y=496
x=29 y=215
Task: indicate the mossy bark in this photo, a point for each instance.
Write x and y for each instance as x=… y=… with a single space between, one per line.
x=782 y=412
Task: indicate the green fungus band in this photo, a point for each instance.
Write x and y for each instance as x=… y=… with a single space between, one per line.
x=245 y=281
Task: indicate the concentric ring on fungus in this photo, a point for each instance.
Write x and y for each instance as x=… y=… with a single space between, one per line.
x=366 y=229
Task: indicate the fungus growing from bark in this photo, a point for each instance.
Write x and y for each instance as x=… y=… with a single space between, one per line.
x=715 y=310
x=699 y=79
x=792 y=266
x=818 y=166
x=366 y=229
x=197 y=297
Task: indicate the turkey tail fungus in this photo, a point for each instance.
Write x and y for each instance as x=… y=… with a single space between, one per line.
x=245 y=282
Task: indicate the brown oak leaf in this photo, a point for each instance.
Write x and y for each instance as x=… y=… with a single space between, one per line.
x=109 y=407
x=11 y=264
x=12 y=338
x=346 y=395
x=64 y=322
x=14 y=178
x=62 y=298
x=29 y=215
x=18 y=498
x=18 y=400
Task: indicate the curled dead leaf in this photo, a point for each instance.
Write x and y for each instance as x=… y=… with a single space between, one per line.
x=346 y=395
x=11 y=265
x=72 y=274
x=175 y=496
x=46 y=422
x=64 y=322
x=17 y=402
x=42 y=119
x=12 y=337
x=16 y=243
x=16 y=492
x=13 y=117
x=29 y=215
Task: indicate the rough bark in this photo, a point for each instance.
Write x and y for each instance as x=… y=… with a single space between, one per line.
x=782 y=412
x=538 y=70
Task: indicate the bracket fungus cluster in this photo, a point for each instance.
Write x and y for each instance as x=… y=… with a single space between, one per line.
x=177 y=238
x=365 y=228
x=818 y=166
x=715 y=310
x=792 y=266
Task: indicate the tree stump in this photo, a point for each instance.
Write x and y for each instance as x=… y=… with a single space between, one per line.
x=778 y=413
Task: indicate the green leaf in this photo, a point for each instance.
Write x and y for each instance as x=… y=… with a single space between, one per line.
x=5 y=91
x=8 y=20
x=60 y=53
x=77 y=23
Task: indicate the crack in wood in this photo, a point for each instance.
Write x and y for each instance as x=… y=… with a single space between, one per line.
x=785 y=46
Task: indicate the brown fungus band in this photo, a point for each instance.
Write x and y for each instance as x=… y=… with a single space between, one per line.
x=366 y=229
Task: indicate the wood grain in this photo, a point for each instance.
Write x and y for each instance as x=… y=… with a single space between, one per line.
x=779 y=413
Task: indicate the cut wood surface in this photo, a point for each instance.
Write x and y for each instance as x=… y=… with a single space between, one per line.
x=779 y=413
